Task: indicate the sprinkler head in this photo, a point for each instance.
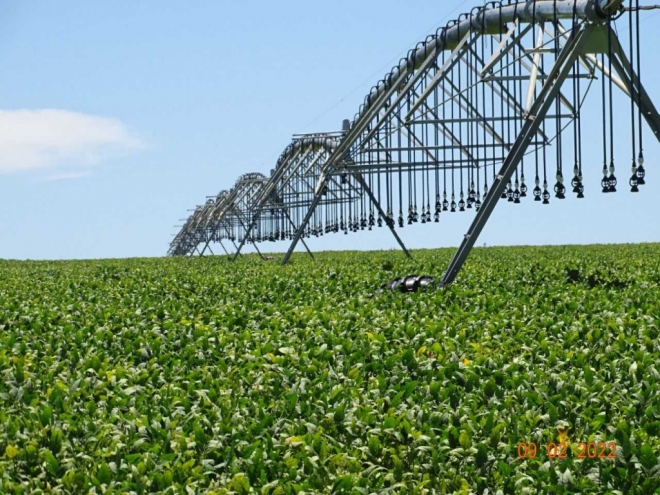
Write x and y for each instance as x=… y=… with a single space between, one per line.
x=605 y=184
x=546 y=197
x=612 y=183
x=641 y=173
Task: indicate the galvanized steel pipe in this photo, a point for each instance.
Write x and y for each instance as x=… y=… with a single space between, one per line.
x=493 y=21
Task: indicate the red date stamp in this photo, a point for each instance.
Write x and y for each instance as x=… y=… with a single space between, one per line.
x=591 y=450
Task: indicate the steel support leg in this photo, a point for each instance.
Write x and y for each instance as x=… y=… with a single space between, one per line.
x=247 y=235
x=206 y=246
x=228 y=237
x=195 y=249
x=317 y=200
x=301 y=230
x=208 y=241
x=224 y=248
x=294 y=226
x=367 y=189
x=539 y=110
x=253 y=224
x=257 y=249
x=256 y=216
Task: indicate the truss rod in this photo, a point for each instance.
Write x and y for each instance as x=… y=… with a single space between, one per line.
x=441 y=75
x=540 y=108
x=495 y=20
x=500 y=51
x=472 y=120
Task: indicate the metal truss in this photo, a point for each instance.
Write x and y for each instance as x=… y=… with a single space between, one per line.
x=291 y=189
x=195 y=230
x=493 y=96
x=475 y=113
x=230 y=218
x=287 y=191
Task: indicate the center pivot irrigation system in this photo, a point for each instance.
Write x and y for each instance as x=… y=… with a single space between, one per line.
x=478 y=112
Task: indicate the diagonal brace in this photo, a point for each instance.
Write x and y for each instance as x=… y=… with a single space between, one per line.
x=539 y=110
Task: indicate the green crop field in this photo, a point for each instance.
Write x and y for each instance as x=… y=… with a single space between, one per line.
x=198 y=375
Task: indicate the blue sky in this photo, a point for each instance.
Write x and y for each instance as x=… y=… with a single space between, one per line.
x=119 y=116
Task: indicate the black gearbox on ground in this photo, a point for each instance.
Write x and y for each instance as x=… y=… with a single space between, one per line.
x=411 y=283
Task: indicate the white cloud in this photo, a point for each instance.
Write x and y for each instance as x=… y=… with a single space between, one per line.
x=68 y=176
x=43 y=139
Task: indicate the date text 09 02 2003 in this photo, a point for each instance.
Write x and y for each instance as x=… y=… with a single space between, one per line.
x=600 y=450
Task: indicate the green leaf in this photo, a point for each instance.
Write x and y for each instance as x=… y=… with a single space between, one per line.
x=52 y=464
x=104 y=474
x=647 y=457
x=482 y=455
x=465 y=440
x=45 y=415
